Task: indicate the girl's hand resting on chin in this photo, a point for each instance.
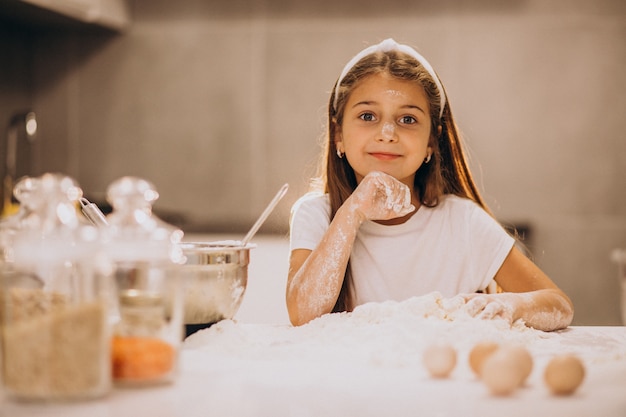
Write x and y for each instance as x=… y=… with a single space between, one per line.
x=380 y=196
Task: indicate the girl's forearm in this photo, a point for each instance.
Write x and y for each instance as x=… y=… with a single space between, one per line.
x=314 y=288
x=547 y=310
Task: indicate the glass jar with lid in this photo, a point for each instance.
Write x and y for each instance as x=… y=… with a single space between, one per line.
x=53 y=299
x=146 y=259
x=29 y=196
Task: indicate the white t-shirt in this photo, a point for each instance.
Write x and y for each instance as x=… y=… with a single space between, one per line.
x=453 y=248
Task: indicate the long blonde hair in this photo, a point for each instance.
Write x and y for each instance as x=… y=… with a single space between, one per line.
x=448 y=171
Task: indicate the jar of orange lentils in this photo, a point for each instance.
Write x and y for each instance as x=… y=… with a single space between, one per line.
x=146 y=259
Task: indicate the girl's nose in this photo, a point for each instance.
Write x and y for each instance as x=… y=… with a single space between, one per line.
x=387 y=132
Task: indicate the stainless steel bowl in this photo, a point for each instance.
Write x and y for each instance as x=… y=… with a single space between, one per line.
x=215 y=275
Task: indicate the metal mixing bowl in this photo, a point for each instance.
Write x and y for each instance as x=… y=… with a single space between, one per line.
x=215 y=276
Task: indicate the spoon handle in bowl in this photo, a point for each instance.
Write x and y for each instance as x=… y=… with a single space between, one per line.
x=265 y=214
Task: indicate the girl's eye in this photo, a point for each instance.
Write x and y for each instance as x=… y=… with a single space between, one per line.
x=368 y=117
x=409 y=120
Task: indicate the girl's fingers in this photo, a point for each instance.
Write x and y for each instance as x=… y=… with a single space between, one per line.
x=475 y=305
x=491 y=310
x=380 y=197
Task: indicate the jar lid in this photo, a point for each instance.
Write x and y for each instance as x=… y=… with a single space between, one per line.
x=49 y=229
x=134 y=232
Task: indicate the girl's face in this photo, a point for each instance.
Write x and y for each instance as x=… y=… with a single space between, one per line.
x=386 y=127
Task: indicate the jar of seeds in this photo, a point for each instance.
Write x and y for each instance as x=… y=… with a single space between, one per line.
x=53 y=298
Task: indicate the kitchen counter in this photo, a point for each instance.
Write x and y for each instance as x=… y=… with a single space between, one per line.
x=366 y=365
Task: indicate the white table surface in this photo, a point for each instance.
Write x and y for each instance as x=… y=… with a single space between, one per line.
x=211 y=383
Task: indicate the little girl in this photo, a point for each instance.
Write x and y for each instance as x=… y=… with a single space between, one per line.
x=400 y=215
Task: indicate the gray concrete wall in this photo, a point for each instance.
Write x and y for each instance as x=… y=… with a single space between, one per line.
x=220 y=104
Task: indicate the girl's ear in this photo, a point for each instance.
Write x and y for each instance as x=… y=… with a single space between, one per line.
x=340 y=151
x=337 y=135
x=434 y=138
x=339 y=148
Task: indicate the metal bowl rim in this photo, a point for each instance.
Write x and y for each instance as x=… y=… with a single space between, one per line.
x=216 y=246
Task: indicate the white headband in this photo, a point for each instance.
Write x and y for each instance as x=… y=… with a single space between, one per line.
x=391 y=45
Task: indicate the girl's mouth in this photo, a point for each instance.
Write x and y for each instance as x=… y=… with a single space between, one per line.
x=382 y=156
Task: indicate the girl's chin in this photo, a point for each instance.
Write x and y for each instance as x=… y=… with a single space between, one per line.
x=406 y=180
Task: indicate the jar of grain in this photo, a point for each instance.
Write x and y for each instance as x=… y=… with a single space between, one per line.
x=146 y=257
x=53 y=299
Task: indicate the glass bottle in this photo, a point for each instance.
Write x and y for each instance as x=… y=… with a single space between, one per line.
x=146 y=259
x=55 y=335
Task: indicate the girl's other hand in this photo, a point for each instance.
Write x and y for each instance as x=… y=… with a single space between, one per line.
x=490 y=306
x=380 y=196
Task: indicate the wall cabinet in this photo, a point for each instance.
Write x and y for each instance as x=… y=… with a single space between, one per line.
x=109 y=14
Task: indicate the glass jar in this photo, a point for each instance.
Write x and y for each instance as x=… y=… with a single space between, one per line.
x=146 y=258
x=29 y=196
x=55 y=333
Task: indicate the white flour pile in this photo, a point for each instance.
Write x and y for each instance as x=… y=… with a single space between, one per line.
x=387 y=334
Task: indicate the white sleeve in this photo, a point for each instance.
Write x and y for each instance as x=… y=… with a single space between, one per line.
x=493 y=244
x=310 y=218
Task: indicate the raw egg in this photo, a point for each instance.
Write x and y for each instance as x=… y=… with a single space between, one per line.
x=479 y=353
x=524 y=360
x=439 y=359
x=501 y=371
x=564 y=374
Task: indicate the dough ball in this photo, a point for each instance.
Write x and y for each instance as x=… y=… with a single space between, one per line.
x=501 y=372
x=439 y=359
x=479 y=353
x=564 y=374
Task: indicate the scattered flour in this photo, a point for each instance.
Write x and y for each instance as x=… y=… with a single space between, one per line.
x=391 y=334
x=394 y=335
